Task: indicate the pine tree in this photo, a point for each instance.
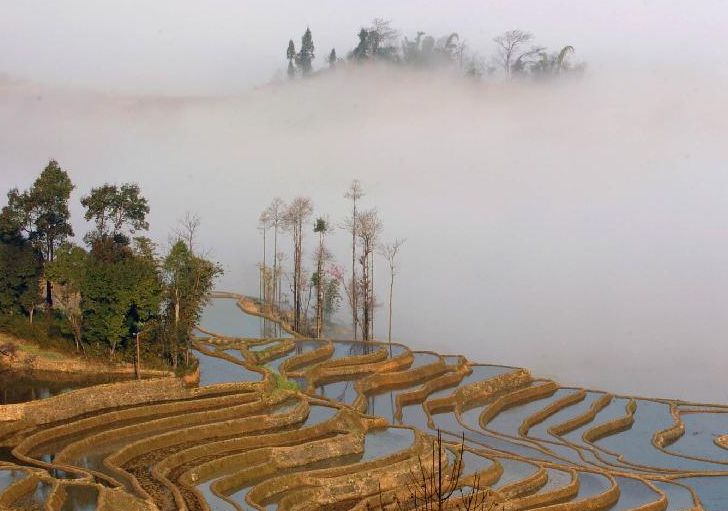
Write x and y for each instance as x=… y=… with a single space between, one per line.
x=306 y=55
x=360 y=52
x=291 y=56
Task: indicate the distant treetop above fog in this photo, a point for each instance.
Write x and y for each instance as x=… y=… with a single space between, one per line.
x=514 y=55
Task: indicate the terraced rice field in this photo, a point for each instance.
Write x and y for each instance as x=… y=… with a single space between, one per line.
x=361 y=421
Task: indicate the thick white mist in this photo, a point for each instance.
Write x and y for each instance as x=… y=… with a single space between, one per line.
x=579 y=229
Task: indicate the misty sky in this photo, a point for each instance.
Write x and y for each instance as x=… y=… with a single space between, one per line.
x=225 y=46
x=579 y=229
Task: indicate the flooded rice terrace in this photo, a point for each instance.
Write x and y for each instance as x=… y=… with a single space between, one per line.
x=278 y=422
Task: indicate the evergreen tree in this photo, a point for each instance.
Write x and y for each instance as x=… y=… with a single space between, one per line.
x=305 y=57
x=291 y=56
x=332 y=58
x=361 y=51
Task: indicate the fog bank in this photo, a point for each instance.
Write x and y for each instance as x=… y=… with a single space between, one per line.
x=578 y=229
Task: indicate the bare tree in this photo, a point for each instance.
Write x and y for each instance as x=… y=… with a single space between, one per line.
x=382 y=34
x=508 y=45
x=354 y=193
x=187 y=228
x=263 y=226
x=368 y=229
x=275 y=212
x=298 y=213
x=389 y=251
x=440 y=486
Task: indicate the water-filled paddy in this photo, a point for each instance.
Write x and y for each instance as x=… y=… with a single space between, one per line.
x=636 y=442
x=701 y=431
x=713 y=491
x=214 y=370
x=9 y=476
x=223 y=316
x=541 y=430
x=591 y=484
x=634 y=493
x=511 y=419
x=501 y=437
x=514 y=470
x=479 y=373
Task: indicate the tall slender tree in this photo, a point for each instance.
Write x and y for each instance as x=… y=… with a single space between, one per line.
x=275 y=212
x=298 y=213
x=332 y=58
x=291 y=56
x=389 y=251
x=354 y=193
x=263 y=226
x=369 y=227
x=321 y=226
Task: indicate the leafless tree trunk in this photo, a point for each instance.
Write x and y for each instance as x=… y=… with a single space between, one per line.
x=354 y=193
x=297 y=213
x=187 y=229
x=68 y=300
x=368 y=229
x=365 y=289
x=371 y=292
x=275 y=217
x=389 y=251
x=263 y=225
x=320 y=290
x=138 y=359
x=508 y=44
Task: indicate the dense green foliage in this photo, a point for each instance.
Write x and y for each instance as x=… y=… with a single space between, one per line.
x=20 y=272
x=112 y=208
x=119 y=293
x=188 y=280
x=107 y=293
x=40 y=217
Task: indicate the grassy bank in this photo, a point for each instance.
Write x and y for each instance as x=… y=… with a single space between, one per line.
x=48 y=345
